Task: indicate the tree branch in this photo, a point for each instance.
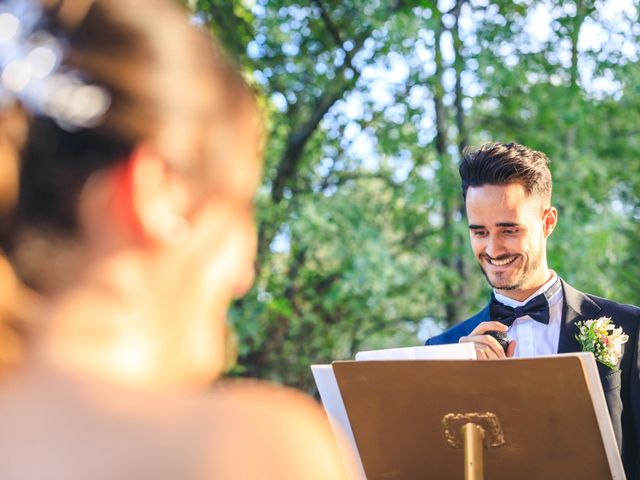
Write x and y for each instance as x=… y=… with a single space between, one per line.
x=333 y=30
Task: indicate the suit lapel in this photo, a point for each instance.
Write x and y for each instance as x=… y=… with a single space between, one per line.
x=577 y=307
x=473 y=322
x=482 y=316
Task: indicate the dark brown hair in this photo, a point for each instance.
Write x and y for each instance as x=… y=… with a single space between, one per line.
x=501 y=164
x=170 y=86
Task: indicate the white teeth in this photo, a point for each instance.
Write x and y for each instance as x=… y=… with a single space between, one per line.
x=501 y=263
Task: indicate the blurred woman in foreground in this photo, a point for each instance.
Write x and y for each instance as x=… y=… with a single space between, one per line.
x=128 y=162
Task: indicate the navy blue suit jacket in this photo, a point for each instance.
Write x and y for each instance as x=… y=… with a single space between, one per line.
x=621 y=387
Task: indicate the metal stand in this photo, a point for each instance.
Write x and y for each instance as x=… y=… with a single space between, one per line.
x=473 y=435
x=473 y=432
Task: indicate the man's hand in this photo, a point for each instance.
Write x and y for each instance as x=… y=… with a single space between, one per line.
x=487 y=347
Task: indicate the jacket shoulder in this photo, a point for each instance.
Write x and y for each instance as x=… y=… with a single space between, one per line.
x=605 y=307
x=622 y=315
x=614 y=307
x=592 y=307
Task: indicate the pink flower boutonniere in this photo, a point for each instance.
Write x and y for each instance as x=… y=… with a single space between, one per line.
x=603 y=339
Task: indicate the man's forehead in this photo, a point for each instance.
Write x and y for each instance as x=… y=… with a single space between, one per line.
x=507 y=192
x=500 y=203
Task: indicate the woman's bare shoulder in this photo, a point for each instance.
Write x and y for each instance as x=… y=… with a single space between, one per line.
x=258 y=394
x=270 y=431
x=256 y=403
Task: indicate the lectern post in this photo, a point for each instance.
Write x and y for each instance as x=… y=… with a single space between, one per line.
x=473 y=432
x=473 y=436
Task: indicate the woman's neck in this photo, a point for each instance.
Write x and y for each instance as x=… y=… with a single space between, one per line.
x=106 y=327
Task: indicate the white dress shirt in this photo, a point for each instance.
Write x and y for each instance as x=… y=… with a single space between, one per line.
x=534 y=338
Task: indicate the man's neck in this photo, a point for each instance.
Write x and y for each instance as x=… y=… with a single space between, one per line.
x=521 y=294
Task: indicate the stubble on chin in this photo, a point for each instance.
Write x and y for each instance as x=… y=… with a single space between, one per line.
x=517 y=283
x=501 y=286
x=504 y=284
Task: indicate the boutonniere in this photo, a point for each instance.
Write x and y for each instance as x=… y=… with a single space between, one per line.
x=603 y=339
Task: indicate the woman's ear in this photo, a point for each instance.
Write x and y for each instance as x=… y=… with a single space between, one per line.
x=144 y=200
x=160 y=198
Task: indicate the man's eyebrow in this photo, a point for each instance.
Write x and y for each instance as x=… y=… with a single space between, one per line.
x=501 y=224
x=507 y=224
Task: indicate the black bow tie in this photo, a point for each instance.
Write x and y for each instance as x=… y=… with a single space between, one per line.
x=537 y=308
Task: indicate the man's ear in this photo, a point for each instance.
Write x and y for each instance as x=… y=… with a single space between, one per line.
x=550 y=220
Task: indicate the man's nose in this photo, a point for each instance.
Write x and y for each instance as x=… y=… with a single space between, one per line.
x=494 y=247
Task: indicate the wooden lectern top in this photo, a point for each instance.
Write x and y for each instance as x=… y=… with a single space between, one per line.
x=544 y=406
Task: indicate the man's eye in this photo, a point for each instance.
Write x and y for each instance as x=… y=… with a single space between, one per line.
x=479 y=233
x=511 y=231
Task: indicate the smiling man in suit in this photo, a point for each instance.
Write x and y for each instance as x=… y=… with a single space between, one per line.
x=507 y=192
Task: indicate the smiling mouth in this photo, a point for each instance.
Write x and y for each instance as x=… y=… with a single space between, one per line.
x=501 y=262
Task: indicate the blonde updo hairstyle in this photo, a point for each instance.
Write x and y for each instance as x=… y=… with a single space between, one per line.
x=170 y=87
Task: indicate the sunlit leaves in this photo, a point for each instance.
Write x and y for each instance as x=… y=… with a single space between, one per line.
x=363 y=245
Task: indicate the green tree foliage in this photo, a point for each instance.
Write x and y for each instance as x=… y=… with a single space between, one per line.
x=369 y=104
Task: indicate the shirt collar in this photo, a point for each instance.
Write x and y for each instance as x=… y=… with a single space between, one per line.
x=510 y=302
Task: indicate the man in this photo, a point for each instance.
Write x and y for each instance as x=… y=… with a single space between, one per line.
x=507 y=192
